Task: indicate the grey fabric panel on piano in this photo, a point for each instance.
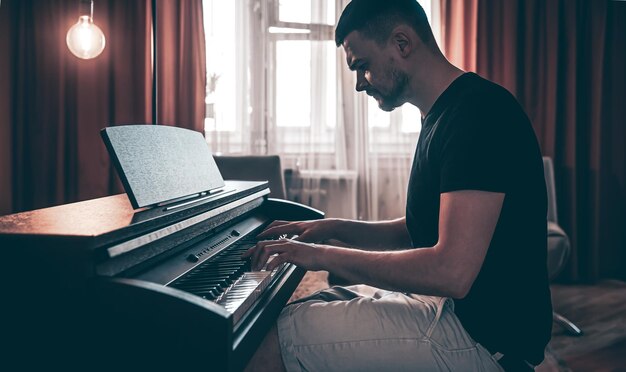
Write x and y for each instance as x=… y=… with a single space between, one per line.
x=157 y=163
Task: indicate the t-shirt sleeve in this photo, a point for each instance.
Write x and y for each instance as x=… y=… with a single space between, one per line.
x=476 y=152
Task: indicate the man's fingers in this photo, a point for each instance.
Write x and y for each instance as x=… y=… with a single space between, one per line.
x=277 y=260
x=280 y=229
x=248 y=253
x=274 y=230
x=264 y=252
x=256 y=254
x=258 y=251
x=277 y=223
x=254 y=251
x=304 y=237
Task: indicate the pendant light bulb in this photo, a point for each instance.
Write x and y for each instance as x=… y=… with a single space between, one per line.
x=85 y=40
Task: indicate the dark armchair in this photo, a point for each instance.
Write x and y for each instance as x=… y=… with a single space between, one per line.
x=254 y=168
x=558 y=242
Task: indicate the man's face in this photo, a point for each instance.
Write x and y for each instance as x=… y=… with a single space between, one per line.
x=376 y=70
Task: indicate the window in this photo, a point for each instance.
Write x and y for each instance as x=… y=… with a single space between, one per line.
x=272 y=70
x=302 y=74
x=221 y=95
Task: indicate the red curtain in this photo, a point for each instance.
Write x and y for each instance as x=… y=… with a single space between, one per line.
x=565 y=62
x=6 y=158
x=181 y=64
x=54 y=104
x=458 y=32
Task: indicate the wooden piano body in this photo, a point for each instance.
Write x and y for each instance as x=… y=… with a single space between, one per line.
x=90 y=285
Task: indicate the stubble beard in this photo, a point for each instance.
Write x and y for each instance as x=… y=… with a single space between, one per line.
x=388 y=102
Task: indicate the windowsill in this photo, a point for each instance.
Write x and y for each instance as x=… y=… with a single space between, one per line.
x=333 y=174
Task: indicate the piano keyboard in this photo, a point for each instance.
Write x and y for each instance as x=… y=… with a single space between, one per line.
x=237 y=298
x=226 y=279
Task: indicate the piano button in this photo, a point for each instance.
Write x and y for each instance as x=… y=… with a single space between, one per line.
x=192 y=258
x=235 y=233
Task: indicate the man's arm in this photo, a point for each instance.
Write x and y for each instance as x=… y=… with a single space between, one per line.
x=341 y=232
x=467 y=220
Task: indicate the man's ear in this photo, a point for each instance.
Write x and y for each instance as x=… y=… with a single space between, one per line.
x=402 y=42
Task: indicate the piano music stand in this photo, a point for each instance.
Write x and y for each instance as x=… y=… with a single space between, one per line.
x=159 y=164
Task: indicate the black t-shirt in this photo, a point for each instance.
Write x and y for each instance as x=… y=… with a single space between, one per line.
x=477 y=137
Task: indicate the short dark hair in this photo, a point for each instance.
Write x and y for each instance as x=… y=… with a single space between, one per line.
x=375 y=19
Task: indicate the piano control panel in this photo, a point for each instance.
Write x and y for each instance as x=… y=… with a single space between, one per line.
x=195 y=257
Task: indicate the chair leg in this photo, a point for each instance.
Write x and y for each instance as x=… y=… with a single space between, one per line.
x=570 y=327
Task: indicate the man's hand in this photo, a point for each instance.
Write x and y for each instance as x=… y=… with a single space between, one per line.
x=313 y=231
x=305 y=255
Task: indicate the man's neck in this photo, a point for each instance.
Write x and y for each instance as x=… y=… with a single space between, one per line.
x=427 y=85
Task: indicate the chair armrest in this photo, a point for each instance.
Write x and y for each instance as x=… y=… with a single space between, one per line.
x=558 y=249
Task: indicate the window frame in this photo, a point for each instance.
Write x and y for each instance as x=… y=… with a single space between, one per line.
x=323 y=135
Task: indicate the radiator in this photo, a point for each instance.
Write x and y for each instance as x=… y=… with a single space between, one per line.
x=332 y=191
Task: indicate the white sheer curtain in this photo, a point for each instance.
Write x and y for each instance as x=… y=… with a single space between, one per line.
x=281 y=86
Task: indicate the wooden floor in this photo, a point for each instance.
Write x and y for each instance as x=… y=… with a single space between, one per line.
x=600 y=310
x=611 y=358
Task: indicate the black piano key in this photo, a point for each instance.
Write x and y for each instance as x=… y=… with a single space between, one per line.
x=211 y=276
x=213 y=282
x=206 y=293
x=210 y=282
x=219 y=270
x=210 y=293
x=208 y=296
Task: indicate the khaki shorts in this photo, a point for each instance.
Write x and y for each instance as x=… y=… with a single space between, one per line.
x=362 y=328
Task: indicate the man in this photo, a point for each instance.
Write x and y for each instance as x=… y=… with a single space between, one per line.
x=461 y=282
